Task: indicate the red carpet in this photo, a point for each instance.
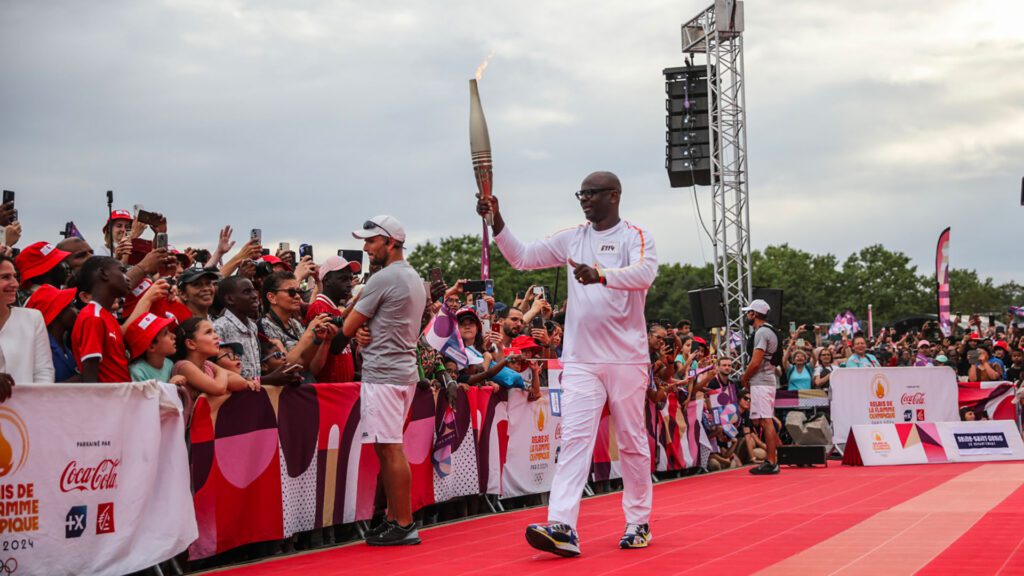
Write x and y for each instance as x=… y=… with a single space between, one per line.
x=736 y=523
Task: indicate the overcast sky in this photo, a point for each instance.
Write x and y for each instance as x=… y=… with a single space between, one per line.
x=868 y=122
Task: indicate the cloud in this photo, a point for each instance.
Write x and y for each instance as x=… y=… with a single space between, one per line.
x=876 y=123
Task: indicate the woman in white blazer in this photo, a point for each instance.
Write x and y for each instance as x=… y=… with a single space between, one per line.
x=24 y=345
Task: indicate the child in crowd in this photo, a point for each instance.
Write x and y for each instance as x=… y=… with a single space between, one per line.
x=197 y=342
x=230 y=357
x=271 y=358
x=151 y=343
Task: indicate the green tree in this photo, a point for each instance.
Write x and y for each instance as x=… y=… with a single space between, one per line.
x=810 y=282
x=969 y=293
x=886 y=280
x=667 y=300
x=459 y=257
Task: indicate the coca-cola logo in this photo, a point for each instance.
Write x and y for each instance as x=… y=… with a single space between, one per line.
x=102 y=476
x=908 y=399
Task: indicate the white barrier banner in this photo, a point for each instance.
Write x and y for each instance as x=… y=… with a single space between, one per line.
x=94 y=478
x=982 y=441
x=934 y=443
x=891 y=395
x=534 y=436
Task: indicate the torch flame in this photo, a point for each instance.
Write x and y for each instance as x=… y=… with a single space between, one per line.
x=483 y=66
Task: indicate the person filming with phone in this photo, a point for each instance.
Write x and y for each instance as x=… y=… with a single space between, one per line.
x=610 y=264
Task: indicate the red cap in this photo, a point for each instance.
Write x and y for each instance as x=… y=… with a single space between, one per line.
x=38 y=259
x=523 y=343
x=118 y=215
x=274 y=260
x=701 y=341
x=142 y=331
x=975 y=336
x=1001 y=344
x=50 y=301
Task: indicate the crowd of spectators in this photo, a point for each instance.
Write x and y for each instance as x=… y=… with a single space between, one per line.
x=138 y=309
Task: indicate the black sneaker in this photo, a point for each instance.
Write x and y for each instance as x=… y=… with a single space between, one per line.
x=765 y=468
x=395 y=535
x=379 y=528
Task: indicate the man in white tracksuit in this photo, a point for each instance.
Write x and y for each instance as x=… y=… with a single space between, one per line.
x=612 y=263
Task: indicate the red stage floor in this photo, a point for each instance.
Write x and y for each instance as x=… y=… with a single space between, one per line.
x=933 y=519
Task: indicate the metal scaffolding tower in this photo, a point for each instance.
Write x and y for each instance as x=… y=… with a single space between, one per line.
x=717 y=32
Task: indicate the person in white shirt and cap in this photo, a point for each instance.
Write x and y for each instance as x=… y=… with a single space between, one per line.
x=610 y=263
x=390 y=306
x=760 y=378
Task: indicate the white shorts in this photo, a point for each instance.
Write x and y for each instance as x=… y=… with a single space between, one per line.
x=762 y=402
x=382 y=411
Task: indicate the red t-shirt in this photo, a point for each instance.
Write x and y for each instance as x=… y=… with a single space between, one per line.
x=98 y=335
x=337 y=367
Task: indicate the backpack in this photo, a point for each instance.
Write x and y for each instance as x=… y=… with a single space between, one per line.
x=776 y=358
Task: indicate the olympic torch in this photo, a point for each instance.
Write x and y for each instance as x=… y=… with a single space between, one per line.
x=480 y=149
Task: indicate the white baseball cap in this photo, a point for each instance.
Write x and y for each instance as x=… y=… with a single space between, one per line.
x=759 y=306
x=383 y=225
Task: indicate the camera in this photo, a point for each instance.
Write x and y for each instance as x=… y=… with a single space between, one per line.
x=338 y=321
x=263 y=268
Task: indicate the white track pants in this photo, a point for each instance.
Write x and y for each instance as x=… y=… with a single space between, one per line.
x=585 y=388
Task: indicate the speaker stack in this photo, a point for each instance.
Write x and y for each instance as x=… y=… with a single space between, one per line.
x=773 y=297
x=688 y=138
x=707 y=310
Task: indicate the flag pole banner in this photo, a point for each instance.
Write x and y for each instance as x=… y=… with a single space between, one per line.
x=942 y=281
x=79 y=467
x=890 y=395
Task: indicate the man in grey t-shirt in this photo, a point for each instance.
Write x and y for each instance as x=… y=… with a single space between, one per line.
x=390 y=306
x=760 y=378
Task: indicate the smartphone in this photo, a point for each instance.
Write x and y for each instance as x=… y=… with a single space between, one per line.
x=148 y=218
x=972 y=356
x=475 y=286
x=284 y=247
x=8 y=196
x=792 y=326
x=256 y=235
x=435 y=275
x=305 y=250
x=135 y=209
x=481 y=308
x=800 y=342
x=265 y=252
x=537 y=322
x=538 y=291
x=485 y=325
x=14 y=215
x=160 y=241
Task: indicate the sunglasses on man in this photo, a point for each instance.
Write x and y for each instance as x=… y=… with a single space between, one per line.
x=370 y=225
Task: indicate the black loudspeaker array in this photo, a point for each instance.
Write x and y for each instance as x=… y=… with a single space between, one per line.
x=706 y=308
x=688 y=138
x=773 y=297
